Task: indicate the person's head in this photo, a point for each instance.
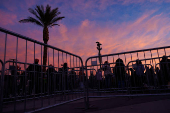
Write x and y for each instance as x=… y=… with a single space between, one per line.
x=65 y=65
x=36 y=61
x=164 y=58
x=18 y=67
x=60 y=69
x=138 y=61
x=99 y=70
x=51 y=66
x=106 y=62
x=157 y=69
x=119 y=61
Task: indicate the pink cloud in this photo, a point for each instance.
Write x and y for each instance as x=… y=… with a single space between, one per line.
x=139 y=34
x=144 y=32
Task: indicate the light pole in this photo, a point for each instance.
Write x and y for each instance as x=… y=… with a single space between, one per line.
x=99 y=48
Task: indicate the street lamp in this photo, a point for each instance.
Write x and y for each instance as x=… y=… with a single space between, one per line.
x=99 y=48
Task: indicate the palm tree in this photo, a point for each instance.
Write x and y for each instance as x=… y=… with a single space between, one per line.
x=44 y=18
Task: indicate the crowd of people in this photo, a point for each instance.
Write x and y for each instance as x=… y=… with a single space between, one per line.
x=139 y=75
x=34 y=81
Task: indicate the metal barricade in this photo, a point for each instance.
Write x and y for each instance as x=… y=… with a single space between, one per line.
x=1 y=84
x=133 y=73
x=27 y=87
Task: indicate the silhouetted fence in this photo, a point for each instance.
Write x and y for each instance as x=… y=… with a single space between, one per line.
x=134 y=73
x=25 y=86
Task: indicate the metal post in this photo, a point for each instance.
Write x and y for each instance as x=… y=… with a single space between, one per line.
x=99 y=48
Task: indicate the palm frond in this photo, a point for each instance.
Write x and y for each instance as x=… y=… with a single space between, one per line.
x=54 y=13
x=42 y=8
x=40 y=11
x=44 y=16
x=34 y=13
x=57 y=19
x=53 y=25
x=31 y=20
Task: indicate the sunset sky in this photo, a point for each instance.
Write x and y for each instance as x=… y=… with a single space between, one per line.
x=120 y=25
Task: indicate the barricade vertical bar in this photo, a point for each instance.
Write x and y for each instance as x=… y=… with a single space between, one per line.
x=74 y=80
x=34 y=79
x=15 y=81
x=87 y=89
x=165 y=51
x=126 y=78
x=42 y=82
x=79 y=63
x=78 y=76
x=49 y=81
x=1 y=86
x=63 y=79
x=66 y=57
x=62 y=58
x=151 y=56
x=73 y=61
x=58 y=59
x=125 y=58
x=160 y=81
x=152 y=74
x=163 y=73
x=132 y=73
x=76 y=61
x=3 y=71
x=145 y=67
x=25 y=95
x=54 y=80
x=60 y=83
x=70 y=60
x=67 y=78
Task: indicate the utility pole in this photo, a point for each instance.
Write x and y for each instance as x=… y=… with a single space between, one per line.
x=99 y=48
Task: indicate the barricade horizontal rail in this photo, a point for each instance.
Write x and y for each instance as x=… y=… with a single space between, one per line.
x=26 y=86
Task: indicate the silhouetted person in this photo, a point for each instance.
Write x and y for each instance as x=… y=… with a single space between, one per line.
x=165 y=70
x=119 y=71
x=107 y=73
x=65 y=76
x=91 y=80
x=50 y=78
x=139 y=69
x=34 y=72
x=72 y=79
x=133 y=77
x=147 y=75
x=159 y=79
x=151 y=76
x=59 y=79
x=81 y=77
x=99 y=78
x=12 y=81
x=9 y=81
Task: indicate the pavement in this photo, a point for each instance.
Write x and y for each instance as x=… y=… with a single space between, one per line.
x=143 y=104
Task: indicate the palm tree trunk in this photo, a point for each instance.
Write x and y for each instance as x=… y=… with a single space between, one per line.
x=45 y=57
x=45 y=38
